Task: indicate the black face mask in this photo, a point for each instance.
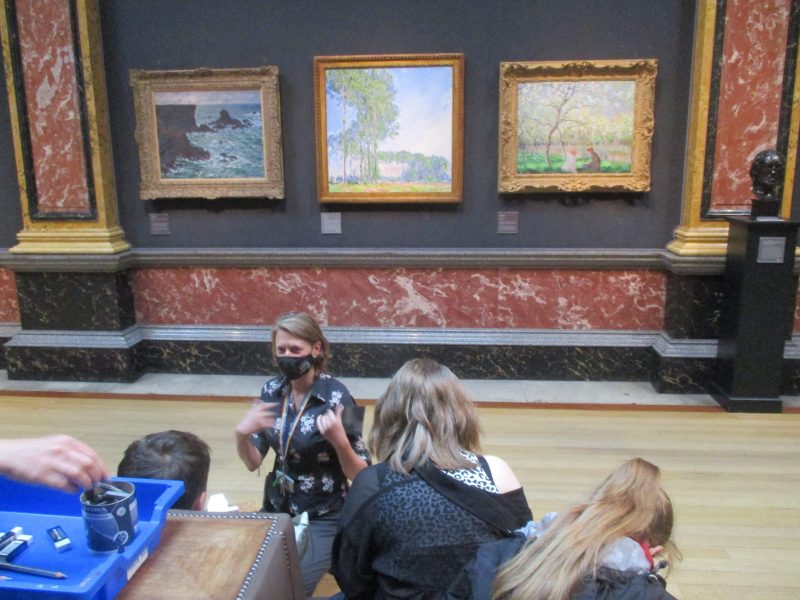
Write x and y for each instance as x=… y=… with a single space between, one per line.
x=295 y=367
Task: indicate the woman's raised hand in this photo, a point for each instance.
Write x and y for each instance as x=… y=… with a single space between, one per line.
x=331 y=427
x=261 y=416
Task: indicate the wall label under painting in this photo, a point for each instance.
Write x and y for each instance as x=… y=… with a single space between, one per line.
x=389 y=128
x=209 y=133
x=576 y=126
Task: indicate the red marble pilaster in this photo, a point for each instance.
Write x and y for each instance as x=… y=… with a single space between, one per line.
x=749 y=102
x=51 y=93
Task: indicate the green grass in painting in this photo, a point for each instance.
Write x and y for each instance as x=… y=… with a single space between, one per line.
x=615 y=166
x=536 y=163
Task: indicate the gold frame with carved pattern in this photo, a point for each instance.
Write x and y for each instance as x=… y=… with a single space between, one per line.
x=514 y=74
x=263 y=81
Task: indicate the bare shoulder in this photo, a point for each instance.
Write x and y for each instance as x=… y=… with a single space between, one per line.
x=503 y=476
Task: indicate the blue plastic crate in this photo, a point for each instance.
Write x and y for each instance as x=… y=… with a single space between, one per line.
x=90 y=575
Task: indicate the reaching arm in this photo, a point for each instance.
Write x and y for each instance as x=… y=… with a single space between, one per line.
x=58 y=461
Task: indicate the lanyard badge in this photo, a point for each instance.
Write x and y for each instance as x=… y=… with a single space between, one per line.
x=284 y=482
x=282 y=479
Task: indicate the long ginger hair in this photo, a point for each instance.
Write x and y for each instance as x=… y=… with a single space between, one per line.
x=629 y=503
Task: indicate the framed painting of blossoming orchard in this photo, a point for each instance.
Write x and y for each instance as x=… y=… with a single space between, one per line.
x=389 y=128
x=209 y=133
x=576 y=126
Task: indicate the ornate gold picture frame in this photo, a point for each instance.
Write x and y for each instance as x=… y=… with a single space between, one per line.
x=390 y=128
x=576 y=126
x=209 y=133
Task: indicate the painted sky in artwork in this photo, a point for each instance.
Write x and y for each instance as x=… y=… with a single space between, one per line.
x=424 y=97
x=208 y=97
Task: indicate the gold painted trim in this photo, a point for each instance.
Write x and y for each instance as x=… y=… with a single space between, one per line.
x=791 y=150
x=76 y=241
x=16 y=134
x=514 y=74
x=78 y=236
x=702 y=68
x=696 y=236
x=92 y=62
x=700 y=241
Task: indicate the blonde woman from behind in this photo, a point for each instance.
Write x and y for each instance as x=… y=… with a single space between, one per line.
x=412 y=522
x=602 y=549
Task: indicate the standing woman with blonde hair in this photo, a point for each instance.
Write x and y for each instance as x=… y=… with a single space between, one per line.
x=602 y=549
x=300 y=416
x=410 y=523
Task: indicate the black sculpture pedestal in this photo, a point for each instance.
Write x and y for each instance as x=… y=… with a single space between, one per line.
x=757 y=313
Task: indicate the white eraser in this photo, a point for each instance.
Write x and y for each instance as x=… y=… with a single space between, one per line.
x=59 y=539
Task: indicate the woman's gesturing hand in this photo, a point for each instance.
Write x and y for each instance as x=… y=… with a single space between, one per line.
x=331 y=427
x=261 y=416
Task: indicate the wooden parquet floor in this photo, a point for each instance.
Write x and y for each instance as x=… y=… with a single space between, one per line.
x=734 y=478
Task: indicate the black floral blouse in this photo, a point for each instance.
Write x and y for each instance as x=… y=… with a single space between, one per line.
x=319 y=484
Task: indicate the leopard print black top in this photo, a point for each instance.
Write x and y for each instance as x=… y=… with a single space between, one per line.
x=401 y=538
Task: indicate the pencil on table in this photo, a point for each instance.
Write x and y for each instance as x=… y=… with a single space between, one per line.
x=7 y=566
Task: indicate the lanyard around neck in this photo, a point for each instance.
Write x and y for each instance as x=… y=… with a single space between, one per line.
x=284 y=446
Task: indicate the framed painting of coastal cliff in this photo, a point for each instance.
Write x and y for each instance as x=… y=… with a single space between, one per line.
x=576 y=126
x=389 y=128
x=209 y=133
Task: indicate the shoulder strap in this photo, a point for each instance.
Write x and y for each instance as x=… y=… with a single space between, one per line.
x=487 y=507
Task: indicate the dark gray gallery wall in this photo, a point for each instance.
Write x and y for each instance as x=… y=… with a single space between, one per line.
x=172 y=34
x=10 y=214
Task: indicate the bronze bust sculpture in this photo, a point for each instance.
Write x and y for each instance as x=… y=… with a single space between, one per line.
x=766 y=171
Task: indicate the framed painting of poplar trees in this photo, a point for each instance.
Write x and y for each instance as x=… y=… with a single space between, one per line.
x=390 y=128
x=576 y=126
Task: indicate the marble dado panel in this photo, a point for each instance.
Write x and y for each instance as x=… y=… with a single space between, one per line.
x=72 y=364
x=693 y=307
x=683 y=375
x=751 y=85
x=75 y=301
x=9 y=307
x=569 y=363
x=208 y=357
x=383 y=360
x=404 y=297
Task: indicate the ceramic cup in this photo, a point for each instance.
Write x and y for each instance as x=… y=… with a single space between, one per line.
x=110 y=515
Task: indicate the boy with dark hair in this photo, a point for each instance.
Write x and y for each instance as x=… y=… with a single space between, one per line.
x=171 y=455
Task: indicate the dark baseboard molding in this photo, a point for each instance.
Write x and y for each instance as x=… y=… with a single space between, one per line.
x=672 y=366
x=568 y=258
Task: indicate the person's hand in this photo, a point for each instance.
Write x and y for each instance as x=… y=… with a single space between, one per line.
x=57 y=461
x=260 y=416
x=330 y=426
x=655 y=550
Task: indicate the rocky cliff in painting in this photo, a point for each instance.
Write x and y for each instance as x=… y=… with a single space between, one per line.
x=226 y=120
x=174 y=121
